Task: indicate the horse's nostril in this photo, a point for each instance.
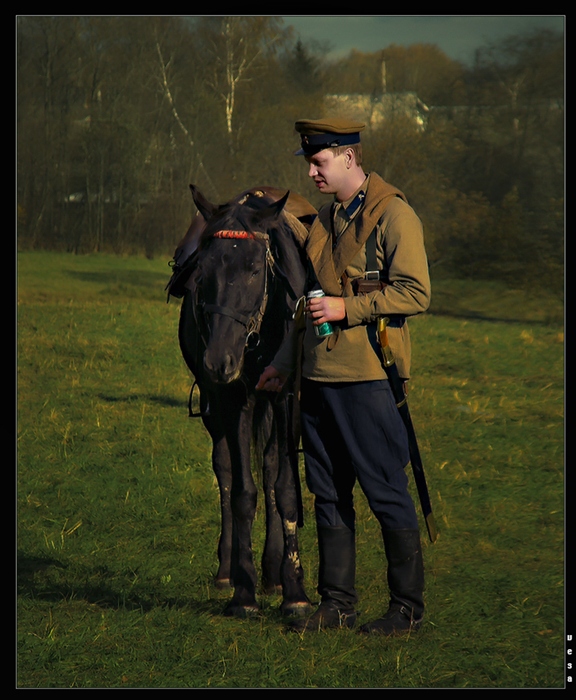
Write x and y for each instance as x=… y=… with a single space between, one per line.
x=224 y=368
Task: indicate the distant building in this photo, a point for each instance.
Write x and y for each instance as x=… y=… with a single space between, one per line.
x=375 y=109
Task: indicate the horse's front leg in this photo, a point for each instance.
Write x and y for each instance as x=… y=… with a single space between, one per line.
x=223 y=472
x=212 y=418
x=243 y=499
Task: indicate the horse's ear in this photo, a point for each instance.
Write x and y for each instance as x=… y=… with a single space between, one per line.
x=273 y=210
x=282 y=202
x=205 y=207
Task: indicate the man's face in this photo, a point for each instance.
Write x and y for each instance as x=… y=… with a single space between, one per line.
x=329 y=171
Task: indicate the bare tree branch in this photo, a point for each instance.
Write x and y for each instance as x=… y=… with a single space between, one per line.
x=179 y=121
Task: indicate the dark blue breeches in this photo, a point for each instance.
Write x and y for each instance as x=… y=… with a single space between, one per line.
x=352 y=430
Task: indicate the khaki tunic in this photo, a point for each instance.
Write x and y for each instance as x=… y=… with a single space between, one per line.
x=353 y=355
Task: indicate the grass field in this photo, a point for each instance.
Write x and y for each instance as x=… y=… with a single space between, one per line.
x=117 y=508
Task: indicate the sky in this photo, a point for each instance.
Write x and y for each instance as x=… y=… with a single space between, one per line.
x=457 y=35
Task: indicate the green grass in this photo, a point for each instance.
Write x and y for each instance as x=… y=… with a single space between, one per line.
x=118 y=508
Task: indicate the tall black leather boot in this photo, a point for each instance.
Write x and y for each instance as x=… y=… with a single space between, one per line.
x=406 y=583
x=336 y=579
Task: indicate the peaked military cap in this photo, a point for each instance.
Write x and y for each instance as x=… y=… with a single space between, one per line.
x=318 y=134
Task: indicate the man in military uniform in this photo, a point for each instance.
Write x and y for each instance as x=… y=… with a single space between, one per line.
x=366 y=252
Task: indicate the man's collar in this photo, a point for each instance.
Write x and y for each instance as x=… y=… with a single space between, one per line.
x=353 y=204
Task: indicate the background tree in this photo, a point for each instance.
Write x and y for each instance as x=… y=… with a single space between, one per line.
x=48 y=90
x=513 y=135
x=235 y=52
x=117 y=115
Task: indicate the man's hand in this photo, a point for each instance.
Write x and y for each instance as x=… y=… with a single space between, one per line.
x=271 y=380
x=322 y=309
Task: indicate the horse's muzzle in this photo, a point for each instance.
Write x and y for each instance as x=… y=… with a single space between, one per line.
x=223 y=368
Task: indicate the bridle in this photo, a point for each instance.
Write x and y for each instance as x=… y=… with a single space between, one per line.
x=251 y=322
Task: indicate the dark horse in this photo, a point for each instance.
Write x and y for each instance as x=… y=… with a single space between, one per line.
x=242 y=275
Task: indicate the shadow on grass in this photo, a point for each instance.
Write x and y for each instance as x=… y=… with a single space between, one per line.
x=128 y=284
x=477 y=316
x=168 y=401
x=132 y=278
x=34 y=581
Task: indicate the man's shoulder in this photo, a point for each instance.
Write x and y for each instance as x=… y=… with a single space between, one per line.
x=397 y=205
x=398 y=218
x=379 y=189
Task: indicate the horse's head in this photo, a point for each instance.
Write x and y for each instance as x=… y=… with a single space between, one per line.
x=235 y=278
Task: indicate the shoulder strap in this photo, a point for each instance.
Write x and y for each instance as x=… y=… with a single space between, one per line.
x=371 y=260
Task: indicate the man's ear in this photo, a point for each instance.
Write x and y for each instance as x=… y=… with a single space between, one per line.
x=350 y=157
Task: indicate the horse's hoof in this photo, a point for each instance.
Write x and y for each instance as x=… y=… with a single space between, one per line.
x=223 y=584
x=296 y=609
x=241 y=611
